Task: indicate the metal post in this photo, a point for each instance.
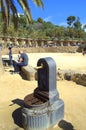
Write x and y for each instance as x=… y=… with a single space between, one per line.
x=10 y=56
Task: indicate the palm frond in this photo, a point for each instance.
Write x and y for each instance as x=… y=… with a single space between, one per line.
x=8 y=11
x=39 y=3
x=4 y=13
x=25 y=6
x=15 y=13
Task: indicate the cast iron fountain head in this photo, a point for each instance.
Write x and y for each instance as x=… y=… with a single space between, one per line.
x=43 y=108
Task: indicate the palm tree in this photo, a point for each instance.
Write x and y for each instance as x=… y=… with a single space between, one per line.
x=8 y=6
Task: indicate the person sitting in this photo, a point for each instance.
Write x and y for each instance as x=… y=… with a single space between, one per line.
x=84 y=51
x=22 y=61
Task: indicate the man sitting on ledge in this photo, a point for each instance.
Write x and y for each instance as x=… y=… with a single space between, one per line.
x=22 y=61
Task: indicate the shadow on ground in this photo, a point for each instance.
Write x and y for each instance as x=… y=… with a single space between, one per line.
x=17 y=117
x=23 y=76
x=65 y=125
x=17 y=114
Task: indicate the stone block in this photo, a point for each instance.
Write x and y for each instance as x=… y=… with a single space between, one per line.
x=29 y=72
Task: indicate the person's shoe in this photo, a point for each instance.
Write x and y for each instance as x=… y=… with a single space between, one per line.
x=11 y=71
x=17 y=72
x=14 y=72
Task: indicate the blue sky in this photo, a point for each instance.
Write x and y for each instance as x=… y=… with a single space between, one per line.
x=57 y=11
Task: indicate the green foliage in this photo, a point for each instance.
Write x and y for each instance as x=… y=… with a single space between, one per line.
x=77 y=24
x=45 y=30
x=70 y=20
x=40 y=20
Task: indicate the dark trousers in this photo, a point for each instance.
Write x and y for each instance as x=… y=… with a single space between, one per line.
x=10 y=60
x=17 y=66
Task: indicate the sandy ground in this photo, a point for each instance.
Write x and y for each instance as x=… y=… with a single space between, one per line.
x=13 y=89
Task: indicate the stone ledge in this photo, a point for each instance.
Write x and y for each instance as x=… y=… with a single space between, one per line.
x=76 y=76
x=29 y=72
x=71 y=75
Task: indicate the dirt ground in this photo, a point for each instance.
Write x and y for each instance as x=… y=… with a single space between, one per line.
x=13 y=89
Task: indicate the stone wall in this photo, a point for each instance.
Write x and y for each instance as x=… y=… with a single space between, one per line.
x=76 y=76
x=70 y=75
